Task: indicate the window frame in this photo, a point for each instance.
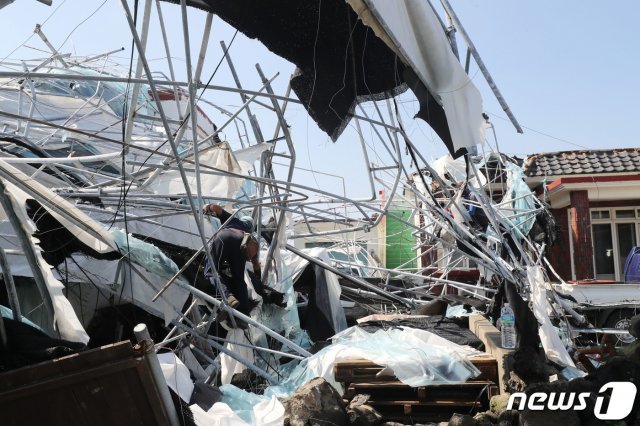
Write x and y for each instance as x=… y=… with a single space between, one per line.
x=612 y=221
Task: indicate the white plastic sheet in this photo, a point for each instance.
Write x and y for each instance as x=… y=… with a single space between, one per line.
x=176 y=374
x=220 y=414
x=553 y=346
x=179 y=230
x=147 y=255
x=266 y=412
x=219 y=157
x=134 y=287
x=412 y=30
x=251 y=408
x=247 y=156
x=229 y=366
x=284 y=320
x=416 y=357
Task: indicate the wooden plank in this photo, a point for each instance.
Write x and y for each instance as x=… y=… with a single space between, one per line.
x=365 y=370
x=90 y=399
x=108 y=386
x=61 y=381
x=397 y=391
x=128 y=404
x=488 y=366
x=61 y=366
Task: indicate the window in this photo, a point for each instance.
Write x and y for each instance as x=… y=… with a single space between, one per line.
x=600 y=214
x=614 y=233
x=625 y=214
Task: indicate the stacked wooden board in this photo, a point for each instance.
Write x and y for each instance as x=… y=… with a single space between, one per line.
x=396 y=401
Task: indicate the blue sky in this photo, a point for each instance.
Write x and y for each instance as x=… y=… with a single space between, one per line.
x=568 y=69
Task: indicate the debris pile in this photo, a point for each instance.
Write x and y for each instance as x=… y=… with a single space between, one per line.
x=107 y=185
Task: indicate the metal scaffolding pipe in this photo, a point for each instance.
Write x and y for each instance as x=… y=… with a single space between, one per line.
x=351 y=278
x=150 y=81
x=151 y=359
x=481 y=65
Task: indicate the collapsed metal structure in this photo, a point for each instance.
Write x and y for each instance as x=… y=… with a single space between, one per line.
x=109 y=173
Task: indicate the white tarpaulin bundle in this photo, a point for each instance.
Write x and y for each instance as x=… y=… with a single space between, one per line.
x=412 y=30
x=220 y=158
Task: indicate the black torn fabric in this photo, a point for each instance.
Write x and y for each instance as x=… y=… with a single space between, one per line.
x=340 y=61
x=431 y=112
x=27 y=345
x=447 y=328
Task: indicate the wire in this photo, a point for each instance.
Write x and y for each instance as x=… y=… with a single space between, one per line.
x=32 y=34
x=542 y=133
x=315 y=44
x=83 y=21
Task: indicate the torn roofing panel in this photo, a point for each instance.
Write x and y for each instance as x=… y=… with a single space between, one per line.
x=340 y=61
x=65 y=319
x=78 y=223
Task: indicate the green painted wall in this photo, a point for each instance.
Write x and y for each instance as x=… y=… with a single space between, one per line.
x=399 y=240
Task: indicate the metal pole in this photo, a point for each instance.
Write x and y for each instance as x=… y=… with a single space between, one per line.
x=12 y=294
x=252 y=119
x=203 y=47
x=130 y=123
x=451 y=35
x=292 y=153
x=239 y=315
x=169 y=61
x=481 y=65
x=151 y=358
x=167 y=128
x=38 y=30
x=350 y=278
x=149 y=80
x=247 y=363
x=193 y=113
x=33 y=99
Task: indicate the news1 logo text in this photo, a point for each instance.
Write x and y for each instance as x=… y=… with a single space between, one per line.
x=621 y=401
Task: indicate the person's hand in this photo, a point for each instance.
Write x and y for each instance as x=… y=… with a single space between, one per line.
x=273 y=297
x=209 y=209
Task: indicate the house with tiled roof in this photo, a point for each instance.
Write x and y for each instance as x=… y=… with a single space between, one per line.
x=595 y=198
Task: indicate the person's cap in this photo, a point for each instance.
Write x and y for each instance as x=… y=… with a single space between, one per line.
x=248 y=223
